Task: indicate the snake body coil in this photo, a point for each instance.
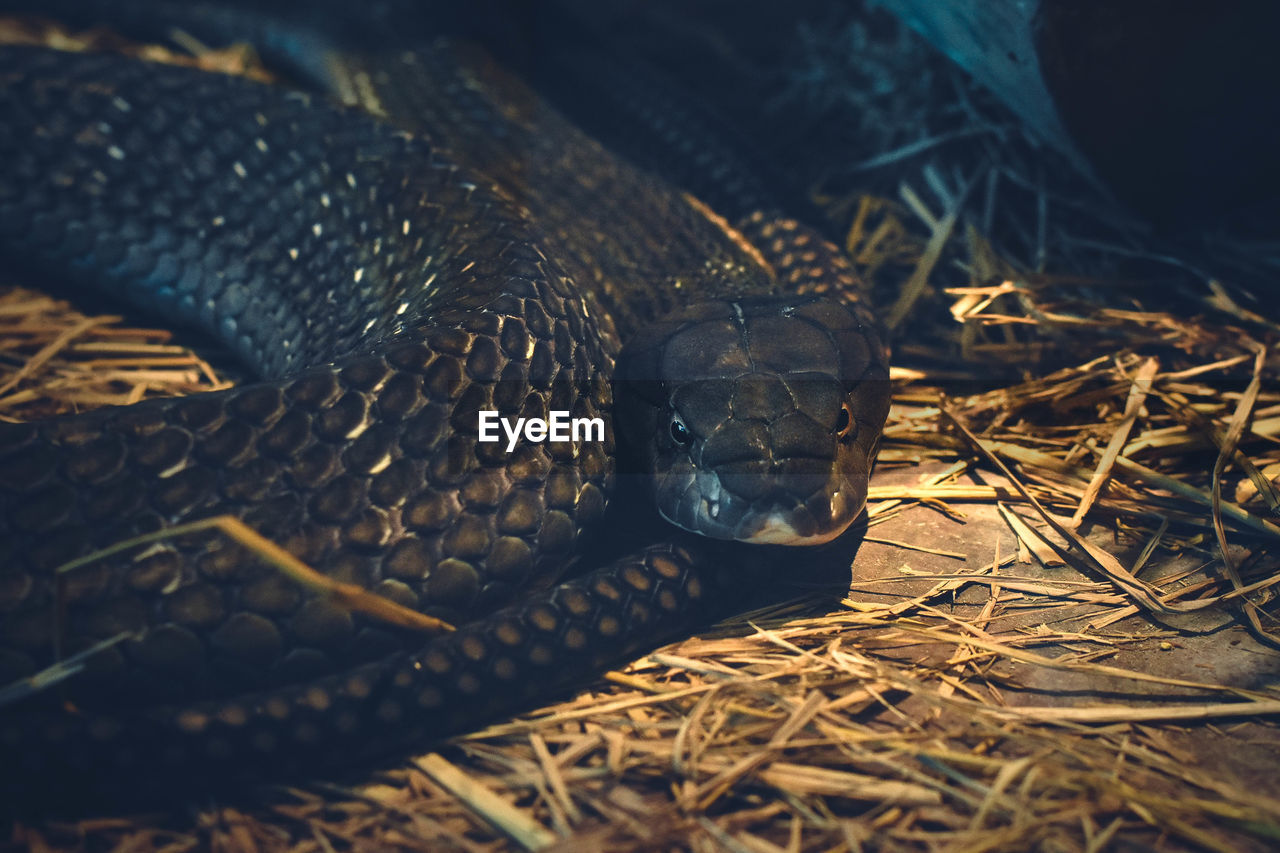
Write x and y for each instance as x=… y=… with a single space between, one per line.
x=389 y=277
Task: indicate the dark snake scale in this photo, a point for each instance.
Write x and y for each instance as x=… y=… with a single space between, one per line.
x=387 y=276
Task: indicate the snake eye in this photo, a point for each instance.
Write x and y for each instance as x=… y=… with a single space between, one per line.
x=844 y=421
x=680 y=433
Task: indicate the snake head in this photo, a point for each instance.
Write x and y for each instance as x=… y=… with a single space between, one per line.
x=756 y=420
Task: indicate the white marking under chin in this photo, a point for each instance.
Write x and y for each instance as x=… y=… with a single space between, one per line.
x=776 y=531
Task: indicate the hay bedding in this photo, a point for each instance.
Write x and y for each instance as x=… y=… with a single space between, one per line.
x=1060 y=630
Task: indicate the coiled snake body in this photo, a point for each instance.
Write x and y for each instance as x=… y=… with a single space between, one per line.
x=389 y=277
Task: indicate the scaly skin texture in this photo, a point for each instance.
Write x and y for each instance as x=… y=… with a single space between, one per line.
x=387 y=286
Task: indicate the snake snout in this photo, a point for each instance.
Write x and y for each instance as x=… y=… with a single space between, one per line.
x=755 y=420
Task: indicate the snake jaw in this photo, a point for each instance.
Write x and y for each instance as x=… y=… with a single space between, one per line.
x=698 y=501
x=776 y=530
x=779 y=527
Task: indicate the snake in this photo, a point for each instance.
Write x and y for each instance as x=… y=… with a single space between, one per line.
x=409 y=238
